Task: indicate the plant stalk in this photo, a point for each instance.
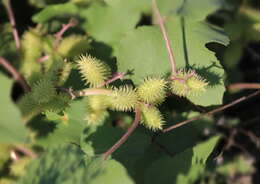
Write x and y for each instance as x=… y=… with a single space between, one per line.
x=165 y=37
x=126 y=135
x=211 y=112
x=15 y=74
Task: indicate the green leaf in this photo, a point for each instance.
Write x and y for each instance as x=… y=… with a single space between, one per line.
x=100 y=140
x=135 y=144
x=6 y=39
x=52 y=11
x=142 y=51
x=183 y=168
x=69 y=127
x=113 y=173
x=189 y=39
x=194 y=130
x=190 y=9
x=4 y=153
x=65 y=164
x=108 y=23
x=12 y=129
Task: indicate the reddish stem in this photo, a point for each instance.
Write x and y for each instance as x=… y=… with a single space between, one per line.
x=15 y=74
x=244 y=86
x=26 y=151
x=114 y=78
x=11 y=18
x=165 y=37
x=44 y=58
x=126 y=135
x=211 y=112
x=72 y=22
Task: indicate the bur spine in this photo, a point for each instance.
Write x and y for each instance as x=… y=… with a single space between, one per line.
x=152 y=90
x=152 y=118
x=93 y=71
x=188 y=84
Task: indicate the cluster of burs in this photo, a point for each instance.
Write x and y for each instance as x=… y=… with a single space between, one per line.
x=100 y=95
x=146 y=97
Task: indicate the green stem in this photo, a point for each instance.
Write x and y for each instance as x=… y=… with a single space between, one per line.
x=92 y=91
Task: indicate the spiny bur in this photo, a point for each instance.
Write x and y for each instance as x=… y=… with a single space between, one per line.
x=96 y=109
x=31 y=49
x=123 y=98
x=187 y=84
x=151 y=118
x=93 y=71
x=57 y=104
x=43 y=90
x=152 y=90
x=96 y=117
x=73 y=45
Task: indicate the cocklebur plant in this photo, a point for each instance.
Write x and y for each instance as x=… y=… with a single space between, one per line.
x=135 y=48
x=100 y=97
x=149 y=94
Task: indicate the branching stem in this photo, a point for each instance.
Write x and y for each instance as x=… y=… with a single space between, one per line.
x=126 y=135
x=115 y=77
x=92 y=91
x=15 y=74
x=212 y=112
x=165 y=37
x=85 y=92
x=72 y=22
x=11 y=18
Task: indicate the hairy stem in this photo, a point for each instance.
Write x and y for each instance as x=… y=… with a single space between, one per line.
x=11 y=18
x=43 y=58
x=85 y=92
x=15 y=74
x=165 y=37
x=26 y=151
x=92 y=91
x=72 y=22
x=114 y=78
x=212 y=112
x=126 y=135
x=238 y=86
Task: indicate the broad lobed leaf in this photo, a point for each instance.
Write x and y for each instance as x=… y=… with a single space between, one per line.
x=65 y=164
x=12 y=129
x=183 y=168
